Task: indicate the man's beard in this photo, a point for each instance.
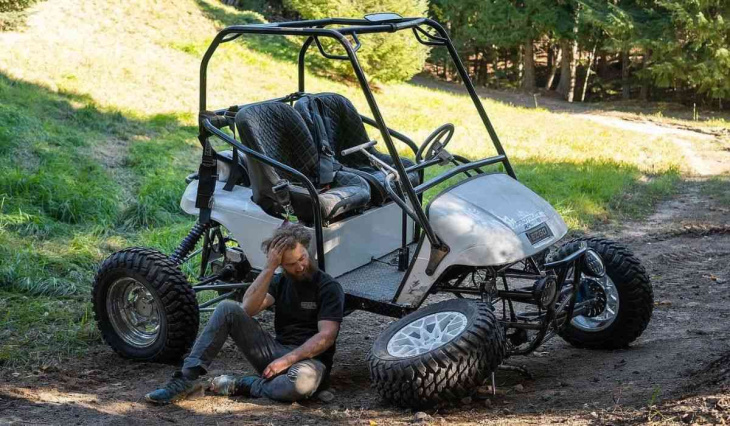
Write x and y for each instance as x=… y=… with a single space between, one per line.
x=306 y=275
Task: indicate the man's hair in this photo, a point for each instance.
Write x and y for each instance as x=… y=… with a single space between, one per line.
x=291 y=234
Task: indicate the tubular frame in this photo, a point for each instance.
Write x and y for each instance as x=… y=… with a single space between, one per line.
x=339 y=29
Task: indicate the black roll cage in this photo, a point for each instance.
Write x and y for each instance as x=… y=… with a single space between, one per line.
x=210 y=122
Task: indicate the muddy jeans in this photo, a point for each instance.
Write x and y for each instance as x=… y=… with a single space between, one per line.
x=300 y=381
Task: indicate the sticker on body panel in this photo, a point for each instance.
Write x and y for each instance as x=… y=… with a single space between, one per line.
x=525 y=221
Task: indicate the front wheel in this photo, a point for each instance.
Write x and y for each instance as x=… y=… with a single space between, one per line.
x=436 y=355
x=144 y=306
x=625 y=294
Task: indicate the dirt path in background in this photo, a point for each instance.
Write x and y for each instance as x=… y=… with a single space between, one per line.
x=706 y=149
x=685 y=247
x=706 y=154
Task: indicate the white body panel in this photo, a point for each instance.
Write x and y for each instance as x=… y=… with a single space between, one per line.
x=484 y=222
x=348 y=244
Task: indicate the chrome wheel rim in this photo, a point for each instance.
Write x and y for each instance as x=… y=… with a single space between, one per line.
x=134 y=312
x=610 y=309
x=426 y=334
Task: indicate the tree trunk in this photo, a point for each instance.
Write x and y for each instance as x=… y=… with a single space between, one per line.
x=517 y=65
x=564 y=82
x=588 y=73
x=476 y=64
x=566 y=87
x=483 y=73
x=573 y=68
x=625 y=63
x=568 y=68
x=550 y=54
x=528 y=80
x=503 y=54
x=602 y=66
x=495 y=65
x=553 y=68
x=644 y=94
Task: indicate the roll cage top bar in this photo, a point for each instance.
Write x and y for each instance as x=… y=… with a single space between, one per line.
x=339 y=29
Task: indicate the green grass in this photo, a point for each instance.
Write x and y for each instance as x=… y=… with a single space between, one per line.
x=43 y=330
x=718 y=188
x=77 y=182
x=96 y=139
x=45 y=167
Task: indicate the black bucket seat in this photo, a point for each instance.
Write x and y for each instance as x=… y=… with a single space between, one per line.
x=276 y=130
x=343 y=128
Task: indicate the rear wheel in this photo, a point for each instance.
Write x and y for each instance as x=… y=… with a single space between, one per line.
x=436 y=355
x=144 y=306
x=625 y=296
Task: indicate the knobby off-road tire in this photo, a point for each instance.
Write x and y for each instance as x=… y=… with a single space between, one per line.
x=635 y=293
x=444 y=374
x=138 y=284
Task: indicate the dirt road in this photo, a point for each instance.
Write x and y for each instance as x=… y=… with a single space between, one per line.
x=677 y=372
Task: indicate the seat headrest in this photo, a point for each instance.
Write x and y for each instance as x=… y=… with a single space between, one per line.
x=343 y=123
x=278 y=131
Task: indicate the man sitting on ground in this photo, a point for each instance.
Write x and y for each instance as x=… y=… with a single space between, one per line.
x=308 y=309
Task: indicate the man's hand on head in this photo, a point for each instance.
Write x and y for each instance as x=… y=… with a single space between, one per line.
x=256 y=298
x=276 y=367
x=275 y=253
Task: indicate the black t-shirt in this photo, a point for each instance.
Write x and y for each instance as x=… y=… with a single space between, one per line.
x=299 y=305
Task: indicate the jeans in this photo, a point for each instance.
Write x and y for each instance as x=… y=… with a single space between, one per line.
x=300 y=381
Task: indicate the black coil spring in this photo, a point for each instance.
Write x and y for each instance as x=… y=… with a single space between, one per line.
x=188 y=243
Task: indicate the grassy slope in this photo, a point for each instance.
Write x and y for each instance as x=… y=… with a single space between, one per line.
x=97 y=131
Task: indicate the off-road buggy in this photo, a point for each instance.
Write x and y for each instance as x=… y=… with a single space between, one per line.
x=488 y=240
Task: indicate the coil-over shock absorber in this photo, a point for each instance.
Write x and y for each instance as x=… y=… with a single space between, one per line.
x=188 y=243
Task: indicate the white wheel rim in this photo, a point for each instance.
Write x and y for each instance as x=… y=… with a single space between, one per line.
x=426 y=334
x=609 y=313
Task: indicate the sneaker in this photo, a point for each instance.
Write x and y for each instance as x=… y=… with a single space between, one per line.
x=232 y=385
x=176 y=389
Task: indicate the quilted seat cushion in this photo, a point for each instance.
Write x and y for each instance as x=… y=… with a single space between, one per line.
x=343 y=126
x=278 y=131
x=347 y=193
x=345 y=129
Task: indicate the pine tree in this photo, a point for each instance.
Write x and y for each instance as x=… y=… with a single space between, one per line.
x=384 y=57
x=693 y=47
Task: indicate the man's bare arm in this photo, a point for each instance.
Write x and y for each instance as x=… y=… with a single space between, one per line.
x=257 y=298
x=314 y=346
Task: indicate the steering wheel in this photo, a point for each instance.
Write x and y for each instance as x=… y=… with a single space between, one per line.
x=435 y=142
